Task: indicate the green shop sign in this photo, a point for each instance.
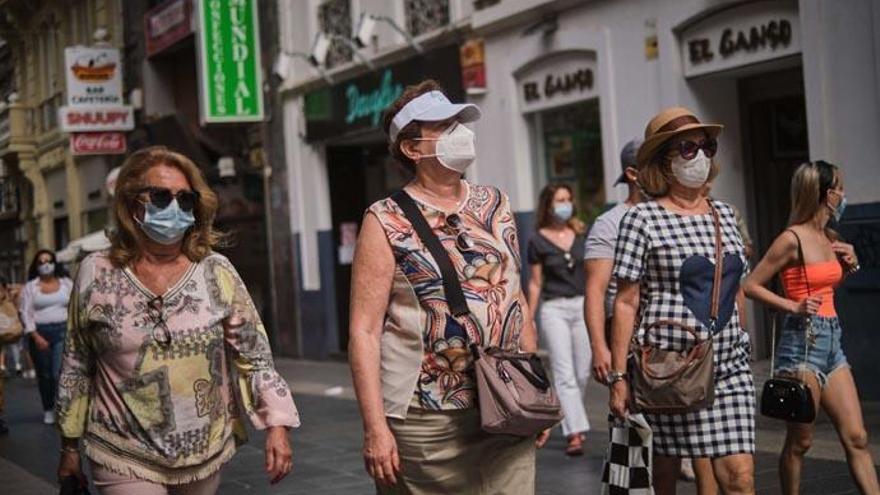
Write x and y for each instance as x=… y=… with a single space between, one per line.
x=357 y=105
x=230 y=73
x=371 y=103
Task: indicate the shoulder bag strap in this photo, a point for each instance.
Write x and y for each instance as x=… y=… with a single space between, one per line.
x=809 y=319
x=451 y=285
x=719 y=259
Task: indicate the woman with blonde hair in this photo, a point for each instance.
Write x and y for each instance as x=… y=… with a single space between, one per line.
x=165 y=353
x=557 y=281
x=664 y=266
x=812 y=260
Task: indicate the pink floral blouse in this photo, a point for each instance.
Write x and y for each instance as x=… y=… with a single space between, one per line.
x=156 y=386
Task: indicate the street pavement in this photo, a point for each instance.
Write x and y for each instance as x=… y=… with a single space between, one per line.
x=327 y=447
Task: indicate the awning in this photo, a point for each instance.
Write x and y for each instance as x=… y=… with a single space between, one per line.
x=77 y=249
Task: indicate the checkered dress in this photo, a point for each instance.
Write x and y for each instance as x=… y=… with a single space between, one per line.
x=652 y=246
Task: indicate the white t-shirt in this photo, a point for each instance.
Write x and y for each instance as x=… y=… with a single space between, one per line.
x=38 y=307
x=600 y=245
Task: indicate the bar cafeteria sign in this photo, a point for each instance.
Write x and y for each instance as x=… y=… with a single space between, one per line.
x=230 y=72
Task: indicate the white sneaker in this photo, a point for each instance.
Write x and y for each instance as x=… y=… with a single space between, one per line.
x=49 y=417
x=30 y=374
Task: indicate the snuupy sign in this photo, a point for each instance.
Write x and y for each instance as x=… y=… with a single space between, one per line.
x=230 y=78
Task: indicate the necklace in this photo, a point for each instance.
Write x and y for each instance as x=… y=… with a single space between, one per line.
x=685 y=206
x=441 y=201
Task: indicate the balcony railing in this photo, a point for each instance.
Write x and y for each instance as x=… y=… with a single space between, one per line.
x=9 y=198
x=4 y=125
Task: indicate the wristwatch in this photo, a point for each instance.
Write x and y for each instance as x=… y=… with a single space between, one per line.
x=615 y=376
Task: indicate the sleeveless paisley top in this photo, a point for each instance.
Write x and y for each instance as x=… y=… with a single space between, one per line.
x=426 y=363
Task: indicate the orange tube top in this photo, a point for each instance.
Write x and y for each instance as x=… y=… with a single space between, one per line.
x=823 y=278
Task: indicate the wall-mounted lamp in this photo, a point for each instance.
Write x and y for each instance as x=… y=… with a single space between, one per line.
x=322 y=46
x=364 y=32
x=284 y=63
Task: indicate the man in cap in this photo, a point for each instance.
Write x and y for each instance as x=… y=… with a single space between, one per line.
x=599 y=256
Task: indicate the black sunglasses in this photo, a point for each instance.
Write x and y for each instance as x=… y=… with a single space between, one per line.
x=161 y=334
x=689 y=149
x=462 y=240
x=162 y=197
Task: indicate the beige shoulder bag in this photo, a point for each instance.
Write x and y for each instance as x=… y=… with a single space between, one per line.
x=674 y=382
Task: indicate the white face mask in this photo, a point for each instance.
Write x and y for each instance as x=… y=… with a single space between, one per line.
x=692 y=173
x=456 y=148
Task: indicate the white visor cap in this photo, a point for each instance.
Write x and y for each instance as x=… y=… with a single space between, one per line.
x=432 y=106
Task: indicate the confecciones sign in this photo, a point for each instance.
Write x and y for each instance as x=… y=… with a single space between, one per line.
x=742 y=35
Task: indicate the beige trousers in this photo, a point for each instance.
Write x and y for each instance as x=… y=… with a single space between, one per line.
x=445 y=452
x=111 y=483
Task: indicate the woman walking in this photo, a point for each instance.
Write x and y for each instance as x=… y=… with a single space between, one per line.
x=44 y=314
x=166 y=353
x=556 y=258
x=411 y=366
x=664 y=272
x=9 y=325
x=812 y=260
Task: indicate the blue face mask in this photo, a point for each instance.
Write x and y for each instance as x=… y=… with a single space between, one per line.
x=166 y=226
x=563 y=211
x=837 y=212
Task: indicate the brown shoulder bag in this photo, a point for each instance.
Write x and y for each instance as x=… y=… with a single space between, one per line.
x=514 y=392
x=675 y=382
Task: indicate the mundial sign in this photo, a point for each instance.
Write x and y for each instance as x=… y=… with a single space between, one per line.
x=230 y=72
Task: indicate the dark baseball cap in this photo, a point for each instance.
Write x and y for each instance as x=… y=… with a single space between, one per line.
x=628 y=158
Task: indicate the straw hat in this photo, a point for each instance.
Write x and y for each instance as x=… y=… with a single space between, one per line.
x=666 y=125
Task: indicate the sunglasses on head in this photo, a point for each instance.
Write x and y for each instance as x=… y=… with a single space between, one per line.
x=689 y=149
x=161 y=197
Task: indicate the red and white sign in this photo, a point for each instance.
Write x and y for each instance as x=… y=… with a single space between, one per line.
x=98 y=118
x=98 y=143
x=166 y=24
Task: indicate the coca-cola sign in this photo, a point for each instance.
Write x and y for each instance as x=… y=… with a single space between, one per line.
x=98 y=143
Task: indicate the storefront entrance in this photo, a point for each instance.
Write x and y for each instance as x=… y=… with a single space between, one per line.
x=568 y=145
x=775 y=143
x=358 y=177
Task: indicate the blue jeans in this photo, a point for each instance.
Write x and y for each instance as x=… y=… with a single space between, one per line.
x=824 y=355
x=48 y=363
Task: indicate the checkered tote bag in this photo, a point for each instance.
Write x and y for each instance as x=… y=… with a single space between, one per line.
x=627 y=469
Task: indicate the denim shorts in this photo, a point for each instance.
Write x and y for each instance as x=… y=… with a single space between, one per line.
x=824 y=354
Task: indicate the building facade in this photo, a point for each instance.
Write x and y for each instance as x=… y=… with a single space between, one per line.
x=56 y=196
x=567 y=84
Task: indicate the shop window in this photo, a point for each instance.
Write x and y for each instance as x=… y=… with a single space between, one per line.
x=569 y=150
x=95 y=220
x=423 y=16
x=334 y=18
x=60 y=227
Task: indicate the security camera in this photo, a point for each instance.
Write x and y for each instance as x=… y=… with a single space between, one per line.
x=319 y=51
x=363 y=35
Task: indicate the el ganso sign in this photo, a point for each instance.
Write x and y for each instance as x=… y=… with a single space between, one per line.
x=230 y=73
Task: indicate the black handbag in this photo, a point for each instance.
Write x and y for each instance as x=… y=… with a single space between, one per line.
x=71 y=486
x=789 y=398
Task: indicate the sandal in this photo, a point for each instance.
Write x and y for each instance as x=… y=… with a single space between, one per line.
x=575 y=446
